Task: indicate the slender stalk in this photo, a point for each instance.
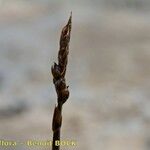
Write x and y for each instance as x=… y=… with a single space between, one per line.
x=58 y=72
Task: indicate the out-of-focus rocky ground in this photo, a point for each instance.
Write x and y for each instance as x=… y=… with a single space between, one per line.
x=108 y=72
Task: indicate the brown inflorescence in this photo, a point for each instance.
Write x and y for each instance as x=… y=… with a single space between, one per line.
x=58 y=72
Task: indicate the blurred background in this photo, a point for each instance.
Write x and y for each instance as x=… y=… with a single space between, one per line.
x=108 y=72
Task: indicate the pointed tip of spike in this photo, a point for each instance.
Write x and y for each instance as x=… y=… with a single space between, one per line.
x=71 y=14
x=70 y=19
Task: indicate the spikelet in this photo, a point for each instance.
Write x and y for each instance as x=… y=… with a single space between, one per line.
x=58 y=72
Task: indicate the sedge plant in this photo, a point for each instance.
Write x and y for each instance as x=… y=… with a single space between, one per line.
x=58 y=72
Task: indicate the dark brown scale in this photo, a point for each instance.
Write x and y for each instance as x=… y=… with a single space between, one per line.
x=56 y=72
x=63 y=95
